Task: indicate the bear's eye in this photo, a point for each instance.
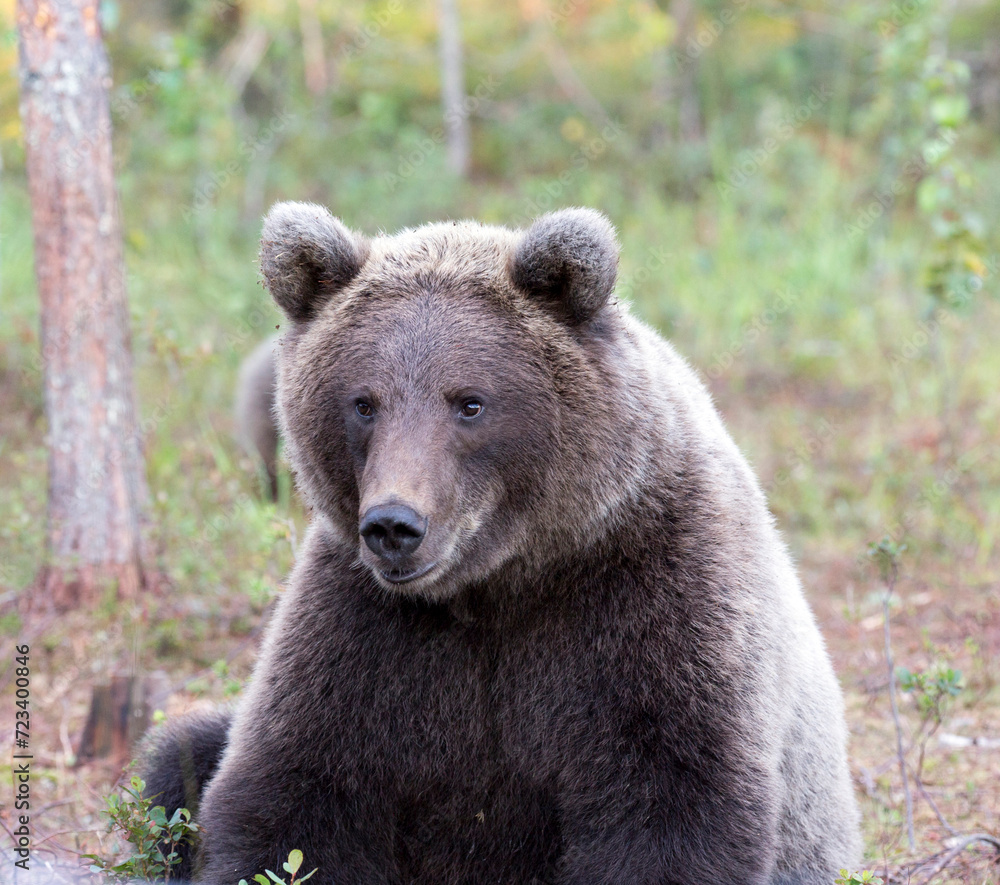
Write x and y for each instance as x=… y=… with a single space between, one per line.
x=364 y=409
x=471 y=408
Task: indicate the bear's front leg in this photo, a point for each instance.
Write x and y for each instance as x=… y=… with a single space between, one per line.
x=644 y=853
x=667 y=819
x=252 y=817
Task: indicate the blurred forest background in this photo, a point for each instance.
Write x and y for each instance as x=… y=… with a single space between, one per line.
x=808 y=198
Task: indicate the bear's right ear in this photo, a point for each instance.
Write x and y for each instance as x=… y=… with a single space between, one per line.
x=306 y=257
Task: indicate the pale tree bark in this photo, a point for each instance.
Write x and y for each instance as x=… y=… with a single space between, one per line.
x=97 y=484
x=675 y=83
x=456 y=118
x=312 y=48
x=689 y=122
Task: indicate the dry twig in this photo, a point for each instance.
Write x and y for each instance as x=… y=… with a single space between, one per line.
x=956 y=849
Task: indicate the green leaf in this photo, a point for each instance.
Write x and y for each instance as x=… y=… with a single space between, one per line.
x=950 y=110
x=294 y=861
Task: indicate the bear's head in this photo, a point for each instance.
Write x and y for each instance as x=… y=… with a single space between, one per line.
x=453 y=398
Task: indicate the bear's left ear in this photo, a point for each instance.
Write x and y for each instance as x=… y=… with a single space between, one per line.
x=568 y=258
x=306 y=257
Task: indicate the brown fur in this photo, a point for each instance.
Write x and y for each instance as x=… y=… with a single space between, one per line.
x=256 y=420
x=602 y=669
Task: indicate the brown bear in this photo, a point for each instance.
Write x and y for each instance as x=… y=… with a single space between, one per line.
x=543 y=628
x=256 y=421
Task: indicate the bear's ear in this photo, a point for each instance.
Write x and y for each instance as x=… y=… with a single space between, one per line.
x=306 y=257
x=570 y=259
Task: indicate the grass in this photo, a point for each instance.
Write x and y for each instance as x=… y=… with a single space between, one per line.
x=796 y=326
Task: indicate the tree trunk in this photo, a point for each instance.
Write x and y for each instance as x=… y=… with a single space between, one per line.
x=97 y=483
x=675 y=81
x=118 y=717
x=456 y=118
x=689 y=122
x=312 y=48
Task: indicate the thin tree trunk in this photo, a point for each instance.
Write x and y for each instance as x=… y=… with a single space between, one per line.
x=456 y=119
x=685 y=74
x=97 y=483
x=312 y=48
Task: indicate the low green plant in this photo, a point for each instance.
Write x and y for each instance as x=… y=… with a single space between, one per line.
x=291 y=866
x=933 y=690
x=865 y=877
x=886 y=555
x=154 y=837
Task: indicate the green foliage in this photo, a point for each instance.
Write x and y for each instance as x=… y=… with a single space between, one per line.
x=291 y=866
x=231 y=687
x=933 y=688
x=921 y=116
x=955 y=269
x=865 y=877
x=154 y=839
x=886 y=555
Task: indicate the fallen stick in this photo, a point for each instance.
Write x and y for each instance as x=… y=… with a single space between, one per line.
x=956 y=849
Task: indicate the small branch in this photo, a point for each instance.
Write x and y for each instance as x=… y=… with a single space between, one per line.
x=895 y=710
x=868 y=783
x=571 y=84
x=13 y=838
x=956 y=850
x=67 y=745
x=456 y=117
x=242 y=56
x=45 y=839
x=312 y=48
x=930 y=801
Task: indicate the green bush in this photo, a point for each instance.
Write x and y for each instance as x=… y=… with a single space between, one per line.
x=155 y=839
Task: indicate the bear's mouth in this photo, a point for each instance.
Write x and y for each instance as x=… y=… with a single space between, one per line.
x=397 y=576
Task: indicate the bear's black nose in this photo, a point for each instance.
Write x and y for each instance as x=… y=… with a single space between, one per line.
x=392 y=530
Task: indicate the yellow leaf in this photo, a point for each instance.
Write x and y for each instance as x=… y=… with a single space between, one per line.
x=573 y=129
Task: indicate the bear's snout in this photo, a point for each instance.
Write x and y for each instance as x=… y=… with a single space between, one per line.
x=393 y=531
